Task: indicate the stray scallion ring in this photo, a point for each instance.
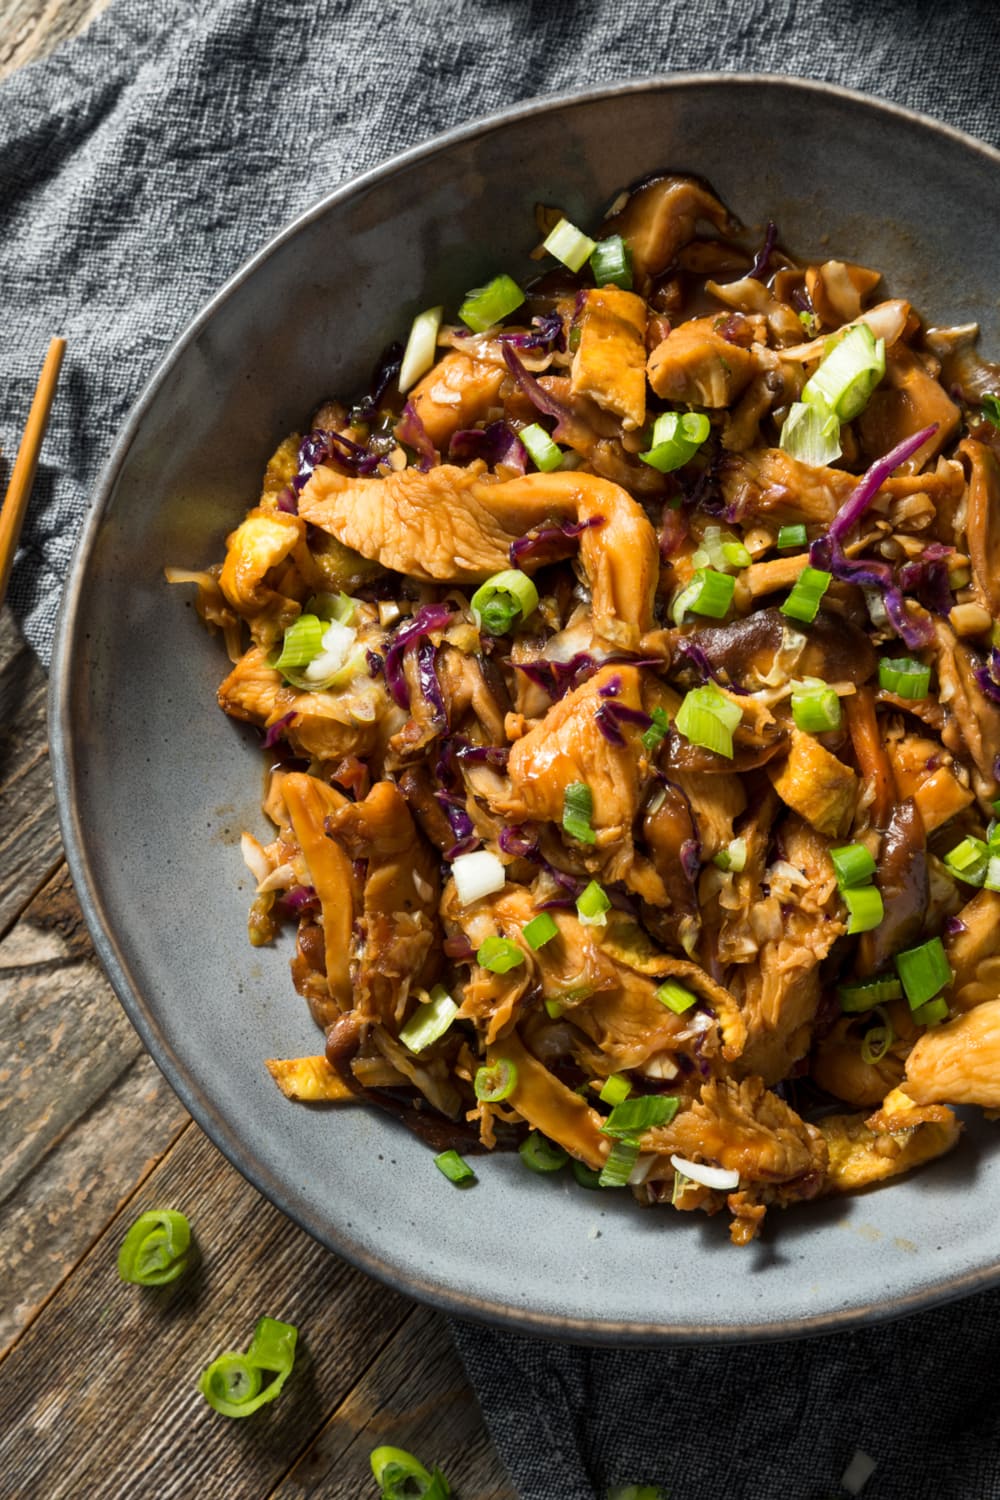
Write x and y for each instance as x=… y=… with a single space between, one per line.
x=611 y=263
x=455 y=1168
x=503 y=600
x=540 y=930
x=499 y=955
x=400 y=1476
x=570 y=245
x=485 y=305
x=804 y=600
x=539 y=1154
x=496 y=1082
x=676 y=438
x=232 y=1384
x=904 y=677
x=156 y=1249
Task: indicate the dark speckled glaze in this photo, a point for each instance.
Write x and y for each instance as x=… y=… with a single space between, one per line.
x=155 y=785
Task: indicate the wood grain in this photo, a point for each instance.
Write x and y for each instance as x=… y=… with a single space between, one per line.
x=30 y=29
x=30 y=848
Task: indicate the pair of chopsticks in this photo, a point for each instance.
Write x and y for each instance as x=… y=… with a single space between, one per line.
x=23 y=475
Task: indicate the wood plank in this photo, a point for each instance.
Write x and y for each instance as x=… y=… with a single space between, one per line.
x=30 y=848
x=415 y=1396
x=99 y=1396
x=29 y=29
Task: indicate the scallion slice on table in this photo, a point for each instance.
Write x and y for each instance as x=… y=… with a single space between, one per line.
x=540 y=930
x=156 y=1250
x=853 y=865
x=708 y=718
x=904 y=677
x=455 y=1168
x=486 y=305
x=615 y=1090
x=633 y=1116
x=618 y=1164
x=676 y=997
x=657 y=731
x=544 y=453
x=495 y=1082
x=846 y=376
x=400 y=1476
x=815 y=707
x=429 y=1021
x=593 y=905
x=539 y=1154
x=811 y=434
x=503 y=600
x=708 y=593
x=421 y=347
x=578 y=810
x=865 y=908
x=499 y=955
x=924 y=971
x=676 y=438
x=611 y=263
x=867 y=993
x=807 y=594
x=791 y=537
x=570 y=245
x=233 y=1384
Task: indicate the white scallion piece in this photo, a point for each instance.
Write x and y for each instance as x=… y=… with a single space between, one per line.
x=858 y=1472
x=723 y=1179
x=421 y=347
x=477 y=875
x=337 y=642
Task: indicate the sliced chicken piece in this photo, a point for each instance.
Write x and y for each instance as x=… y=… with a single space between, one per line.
x=838 y=1066
x=813 y=782
x=261 y=542
x=322 y=725
x=310 y=1079
x=908 y=400
x=893 y=1141
x=695 y=365
x=456 y=525
x=457 y=393
x=610 y=361
x=973 y=949
x=777 y=489
x=658 y=218
x=925 y=772
x=959 y=1061
x=549 y=1106
x=310 y=802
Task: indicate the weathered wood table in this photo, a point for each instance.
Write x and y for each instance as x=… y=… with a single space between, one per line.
x=98 y=1380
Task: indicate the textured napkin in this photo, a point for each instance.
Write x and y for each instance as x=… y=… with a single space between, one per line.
x=139 y=167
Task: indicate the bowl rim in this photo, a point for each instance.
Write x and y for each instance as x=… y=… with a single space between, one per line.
x=102 y=929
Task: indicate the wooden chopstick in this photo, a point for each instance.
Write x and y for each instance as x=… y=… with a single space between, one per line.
x=23 y=476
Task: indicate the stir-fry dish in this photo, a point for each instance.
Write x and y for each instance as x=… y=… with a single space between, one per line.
x=627 y=662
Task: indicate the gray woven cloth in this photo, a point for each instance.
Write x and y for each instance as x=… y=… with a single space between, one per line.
x=138 y=168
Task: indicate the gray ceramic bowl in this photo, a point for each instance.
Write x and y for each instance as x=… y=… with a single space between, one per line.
x=155 y=784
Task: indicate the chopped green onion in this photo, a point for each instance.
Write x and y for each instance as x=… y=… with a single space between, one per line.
x=616 y=1090
x=303 y=640
x=400 y=1476
x=633 y=1116
x=722 y=550
x=657 y=731
x=865 y=908
x=804 y=600
x=586 y=1176
x=495 y=1082
x=429 y=1021
x=540 y=930
x=570 y=245
x=791 y=537
x=618 y=1164
x=503 y=600
x=924 y=971
x=593 y=905
x=845 y=378
x=991 y=880
x=676 y=997
x=868 y=993
x=485 y=305
x=637 y=1492
x=499 y=955
x=156 y=1248
x=421 y=347
x=991 y=408
x=340 y=607
x=815 y=707
x=931 y=1013
x=554 y=1009
x=677 y=436
x=904 y=677
x=708 y=593
x=811 y=434
x=853 y=864
x=232 y=1384
x=611 y=263
x=454 y=1168
x=707 y=718
x=732 y=857
x=877 y=1040
x=969 y=860
x=545 y=454
x=539 y=1154
x=578 y=809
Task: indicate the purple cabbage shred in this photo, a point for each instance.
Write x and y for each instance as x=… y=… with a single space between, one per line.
x=411 y=431
x=988 y=676
x=276 y=731
x=553 y=533
x=494 y=444
x=547 y=332
x=759 y=268
x=430 y=617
